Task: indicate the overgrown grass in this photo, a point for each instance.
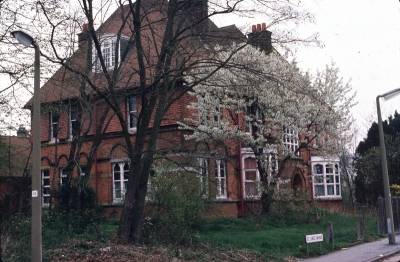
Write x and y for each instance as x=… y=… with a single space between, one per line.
x=283 y=240
x=221 y=239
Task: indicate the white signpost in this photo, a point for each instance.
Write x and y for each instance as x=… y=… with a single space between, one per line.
x=314 y=238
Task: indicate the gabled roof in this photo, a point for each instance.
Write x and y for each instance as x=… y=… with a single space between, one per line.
x=64 y=84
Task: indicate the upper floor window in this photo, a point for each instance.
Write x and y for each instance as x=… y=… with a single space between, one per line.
x=253 y=119
x=131 y=113
x=216 y=111
x=326 y=180
x=290 y=139
x=54 y=118
x=109 y=51
x=73 y=113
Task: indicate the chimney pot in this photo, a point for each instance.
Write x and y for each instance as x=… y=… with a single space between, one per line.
x=253 y=28
x=85 y=27
x=264 y=26
x=258 y=28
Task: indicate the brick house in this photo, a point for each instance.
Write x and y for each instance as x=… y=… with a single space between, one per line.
x=233 y=173
x=15 y=166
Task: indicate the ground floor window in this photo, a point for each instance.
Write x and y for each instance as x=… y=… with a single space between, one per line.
x=251 y=178
x=120 y=181
x=202 y=176
x=251 y=175
x=220 y=179
x=326 y=179
x=46 y=187
x=63 y=177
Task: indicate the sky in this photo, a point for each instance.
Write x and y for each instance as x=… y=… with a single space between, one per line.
x=362 y=38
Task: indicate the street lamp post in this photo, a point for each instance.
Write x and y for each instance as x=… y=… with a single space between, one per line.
x=388 y=201
x=36 y=231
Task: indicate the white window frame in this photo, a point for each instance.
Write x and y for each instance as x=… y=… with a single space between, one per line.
x=131 y=113
x=45 y=187
x=63 y=176
x=216 y=111
x=326 y=185
x=248 y=153
x=258 y=118
x=119 y=184
x=290 y=139
x=72 y=119
x=220 y=178
x=54 y=126
x=108 y=43
x=202 y=176
x=255 y=181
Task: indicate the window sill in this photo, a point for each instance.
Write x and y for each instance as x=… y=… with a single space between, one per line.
x=132 y=131
x=328 y=198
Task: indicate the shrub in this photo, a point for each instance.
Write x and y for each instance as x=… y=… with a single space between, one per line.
x=173 y=207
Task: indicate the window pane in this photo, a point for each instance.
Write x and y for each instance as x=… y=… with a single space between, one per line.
x=132 y=120
x=317 y=169
x=319 y=190
x=337 y=190
x=329 y=169
x=318 y=179
x=126 y=171
x=250 y=175
x=337 y=179
x=46 y=191
x=329 y=179
x=222 y=169
x=250 y=163
x=46 y=182
x=330 y=190
x=117 y=186
x=251 y=189
x=222 y=191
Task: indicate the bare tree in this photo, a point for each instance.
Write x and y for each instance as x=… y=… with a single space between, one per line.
x=158 y=44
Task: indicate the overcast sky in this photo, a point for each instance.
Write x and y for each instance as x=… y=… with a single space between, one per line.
x=362 y=37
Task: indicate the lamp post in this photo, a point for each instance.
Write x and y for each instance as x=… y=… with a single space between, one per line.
x=388 y=201
x=36 y=231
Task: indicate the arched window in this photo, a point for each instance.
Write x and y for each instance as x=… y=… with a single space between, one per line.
x=220 y=178
x=120 y=181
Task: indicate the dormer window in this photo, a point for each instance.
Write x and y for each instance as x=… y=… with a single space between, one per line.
x=109 y=51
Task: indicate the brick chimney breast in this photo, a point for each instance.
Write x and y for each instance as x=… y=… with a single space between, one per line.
x=260 y=37
x=82 y=37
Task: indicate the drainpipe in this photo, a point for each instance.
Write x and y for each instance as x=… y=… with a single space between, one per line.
x=240 y=173
x=310 y=167
x=95 y=152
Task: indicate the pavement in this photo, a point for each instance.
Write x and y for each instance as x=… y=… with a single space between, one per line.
x=379 y=250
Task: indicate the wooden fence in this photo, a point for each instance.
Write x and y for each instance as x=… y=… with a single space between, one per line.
x=382 y=222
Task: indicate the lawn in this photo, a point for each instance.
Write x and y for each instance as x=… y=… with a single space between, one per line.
x=277 y=238
x=221 y=239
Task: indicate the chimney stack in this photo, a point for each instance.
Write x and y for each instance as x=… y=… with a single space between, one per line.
x=260 y=37
x=195 y=12
x=83 y=35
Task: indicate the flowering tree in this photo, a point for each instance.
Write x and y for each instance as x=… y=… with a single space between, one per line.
x=284 y=111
